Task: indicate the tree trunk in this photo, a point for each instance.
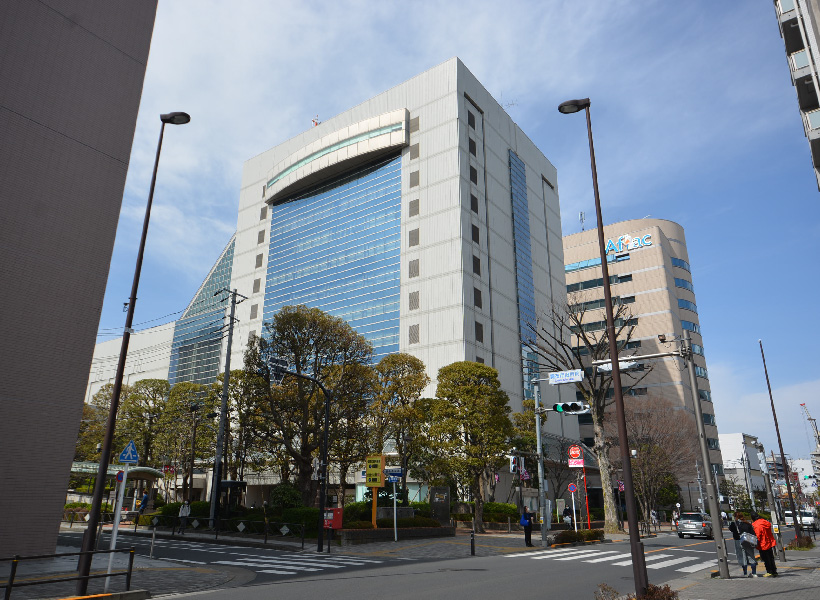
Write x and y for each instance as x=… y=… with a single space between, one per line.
x=478 y=498
x=605 y=469
x=340 y=489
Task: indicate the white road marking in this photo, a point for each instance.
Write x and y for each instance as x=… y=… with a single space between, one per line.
x=669 y=563
x=698 y=567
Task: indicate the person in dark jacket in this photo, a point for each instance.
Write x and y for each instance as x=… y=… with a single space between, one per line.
x=526 y=521
x=765 y=543
x=745 y=552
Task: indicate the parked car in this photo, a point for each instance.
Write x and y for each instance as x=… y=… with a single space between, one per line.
x=807 y=519
x=694 y=524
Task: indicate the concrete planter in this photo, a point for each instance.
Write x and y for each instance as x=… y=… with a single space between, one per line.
x=350 y=537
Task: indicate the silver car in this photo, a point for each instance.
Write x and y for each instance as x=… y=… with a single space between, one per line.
x=694 y=524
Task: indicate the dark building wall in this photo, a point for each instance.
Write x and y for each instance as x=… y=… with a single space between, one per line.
x=71 y=75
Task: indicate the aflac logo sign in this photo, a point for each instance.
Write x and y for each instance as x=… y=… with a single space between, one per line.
x=627 y=242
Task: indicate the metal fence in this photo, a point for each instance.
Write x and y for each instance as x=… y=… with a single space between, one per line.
x=15 y=560
x=235 y=525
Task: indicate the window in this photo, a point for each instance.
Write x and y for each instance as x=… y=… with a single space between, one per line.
x=414 y=151
x=709 y=419
x=257 y=285
x=600 y=303
x=254 y=311
x=601 y=325
x=413 y=237
x=476 y=265
x=681 y=264
x=479 y=359
x=258 y=261
x=477 y=297
x=585 y=419
x=701 y=372
x=413 y=301
x=260 y=237
x=682 y=283
x=698 y=350
x=264 y=187
x=470 y=119
x=413 y=334
x=414 y=268
x=263 y=213
x=717 y=468
x=479 y=332
x=472 y=145
x=595 y=283
x=251 y=336
x=694 y=327
x=713 y=444
x=594 y=262
x=589 y=442
x=687 y=305
x=474 y=203
x=413 y=208
x=705 y=395
x=414 y=179
x=475 y=234
x=473 y=175
x=633 y=345
x=414 y=124
x=627 y=391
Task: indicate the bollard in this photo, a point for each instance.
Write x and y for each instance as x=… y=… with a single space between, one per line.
x=509 y=525
x=153 y=538
x=10 y=582
x=472 y=543
x=130 y=570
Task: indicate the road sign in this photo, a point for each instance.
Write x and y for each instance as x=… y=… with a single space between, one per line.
x=560 y=377
x=119 y=476
x=575 y=451
x=393 y=471
x=375 y=466
x=575 y=463
x=572 y=488
x=129 y=455
x=393 y=478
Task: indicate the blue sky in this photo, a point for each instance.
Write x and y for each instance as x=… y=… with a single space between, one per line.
x=694 y=116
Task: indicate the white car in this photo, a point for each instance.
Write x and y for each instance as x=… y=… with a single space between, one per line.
x=806 y=519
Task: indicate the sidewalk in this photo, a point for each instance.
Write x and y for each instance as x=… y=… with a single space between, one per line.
x=798 y=579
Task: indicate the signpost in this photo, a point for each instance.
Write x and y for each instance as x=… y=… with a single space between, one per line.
x=374 y=478
x=572 y=489
x=394 y=476
x=128 y=456
x=576 y=459
x=559 y=377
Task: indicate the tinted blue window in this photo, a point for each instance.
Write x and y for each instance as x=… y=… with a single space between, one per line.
x=701 y=372
x=690 y=326
x=337 y=247
x=197 y=339
x=523 y=269
x=687 y=305
x=682 y=283
x=677 y=262
x=594 y=262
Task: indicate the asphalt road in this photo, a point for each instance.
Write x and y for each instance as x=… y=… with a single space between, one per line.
x=573 y=572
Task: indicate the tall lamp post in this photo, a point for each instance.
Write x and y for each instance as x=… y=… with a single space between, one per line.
x=636 y=547
x=84 y=564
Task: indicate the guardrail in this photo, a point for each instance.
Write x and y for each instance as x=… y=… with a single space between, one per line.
x=234 y=525
x=15 y=560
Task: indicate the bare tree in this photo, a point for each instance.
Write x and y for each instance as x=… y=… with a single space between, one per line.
x=570 y=336
x=661 y=434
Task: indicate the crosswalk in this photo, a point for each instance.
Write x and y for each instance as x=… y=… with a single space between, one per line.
x=680 y=559
x=293 y=563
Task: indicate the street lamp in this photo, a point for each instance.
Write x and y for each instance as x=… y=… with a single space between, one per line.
x=84 y=564
x=636 y=547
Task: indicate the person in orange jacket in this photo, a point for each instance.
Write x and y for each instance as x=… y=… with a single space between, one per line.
x=765 y=543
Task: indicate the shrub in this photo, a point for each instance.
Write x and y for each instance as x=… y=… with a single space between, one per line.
x=802 y=542
x=357 y=511
x=501 y=508
x=568 y=536
x=462 y=516
x=171 y=509
x=593 y=534
x=597 y=514
x=422 y=509
x=285 y=495
x=308 y=515
x=359 y=525
x=653 y=592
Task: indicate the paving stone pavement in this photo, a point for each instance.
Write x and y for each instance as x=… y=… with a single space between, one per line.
x=157 y=576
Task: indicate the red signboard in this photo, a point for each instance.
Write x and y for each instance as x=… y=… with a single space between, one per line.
x=574 y=452
x=333 y=518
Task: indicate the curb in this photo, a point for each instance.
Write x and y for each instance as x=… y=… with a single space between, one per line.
x=132 y=595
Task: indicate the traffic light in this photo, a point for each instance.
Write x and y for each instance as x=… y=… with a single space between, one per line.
x=572 y=408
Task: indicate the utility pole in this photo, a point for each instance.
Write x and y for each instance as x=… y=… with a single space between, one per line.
x=700 y=486
x=546 y=515
x=223 y=412
x=761 y=458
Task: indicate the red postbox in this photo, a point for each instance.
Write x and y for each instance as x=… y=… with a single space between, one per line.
x=333 y=518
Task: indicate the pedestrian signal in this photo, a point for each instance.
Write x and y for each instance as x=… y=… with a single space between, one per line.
x=571 y=407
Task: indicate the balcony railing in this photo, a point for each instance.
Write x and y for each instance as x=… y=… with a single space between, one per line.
x=800 y=60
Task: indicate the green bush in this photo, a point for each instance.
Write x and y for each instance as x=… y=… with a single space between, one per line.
x=285 y=495
x=357 y=511
x=462 y=516
x=501 y=508
x=408 y=522
x=567 y=536
x=171 y=509
x=422 y=509
x=593 y=534
x=359 y=525
x=305 y=514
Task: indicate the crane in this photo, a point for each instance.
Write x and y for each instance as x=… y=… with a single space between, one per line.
x=813 y=423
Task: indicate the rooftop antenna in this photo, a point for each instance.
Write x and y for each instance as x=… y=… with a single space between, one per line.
x=316 y=120
x=582 y=217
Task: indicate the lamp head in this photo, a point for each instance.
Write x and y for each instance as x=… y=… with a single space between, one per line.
x=573 y=106
x=175 y=118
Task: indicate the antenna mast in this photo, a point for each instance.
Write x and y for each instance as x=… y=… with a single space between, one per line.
x=582 y=217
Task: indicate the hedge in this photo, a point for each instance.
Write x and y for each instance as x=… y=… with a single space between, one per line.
x=359 y=525
x=584 y=535
x=407 y=522
x=308 y=515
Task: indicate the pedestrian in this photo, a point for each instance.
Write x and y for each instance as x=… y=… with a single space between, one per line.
x=184 y=513
x=674 y=520
x=567 y=515
x=653 y=516
x=526 y=521
x=144 y=502
x=744 y=548
x=765 y=543
x=724 y=518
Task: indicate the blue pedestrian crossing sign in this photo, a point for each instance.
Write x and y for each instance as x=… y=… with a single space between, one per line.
x=129 y=455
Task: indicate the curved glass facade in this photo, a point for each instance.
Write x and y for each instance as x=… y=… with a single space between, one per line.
x=337 y=247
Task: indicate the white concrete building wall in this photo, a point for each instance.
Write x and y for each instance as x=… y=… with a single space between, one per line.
x=149 y=357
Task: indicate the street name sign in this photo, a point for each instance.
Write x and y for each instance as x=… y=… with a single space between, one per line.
x=393 y=478
x=560 y=377
x=393 y=471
